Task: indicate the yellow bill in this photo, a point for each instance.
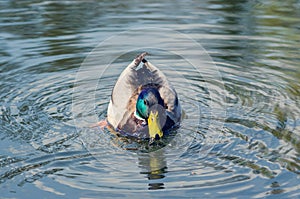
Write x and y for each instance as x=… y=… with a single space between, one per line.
x=154 y=126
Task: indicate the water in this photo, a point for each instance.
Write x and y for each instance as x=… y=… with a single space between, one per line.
x=241 y=136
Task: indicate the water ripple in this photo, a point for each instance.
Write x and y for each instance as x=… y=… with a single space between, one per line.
x=254 y=152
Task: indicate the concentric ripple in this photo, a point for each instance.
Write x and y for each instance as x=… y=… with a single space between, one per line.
x=189 y=93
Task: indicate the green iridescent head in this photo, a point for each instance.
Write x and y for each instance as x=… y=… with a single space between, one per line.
x=148 y=107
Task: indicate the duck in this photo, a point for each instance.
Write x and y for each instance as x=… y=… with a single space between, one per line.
x=143 y=103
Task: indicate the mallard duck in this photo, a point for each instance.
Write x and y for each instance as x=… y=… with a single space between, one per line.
x=143 y=103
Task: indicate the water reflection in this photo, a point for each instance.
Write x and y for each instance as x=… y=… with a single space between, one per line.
x=154 y=166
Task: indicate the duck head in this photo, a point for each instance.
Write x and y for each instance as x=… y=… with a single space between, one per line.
x=150 y=107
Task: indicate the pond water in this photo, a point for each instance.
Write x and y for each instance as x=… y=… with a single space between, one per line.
x=241 y=133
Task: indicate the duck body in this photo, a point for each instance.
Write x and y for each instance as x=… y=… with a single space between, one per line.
x=143 y=103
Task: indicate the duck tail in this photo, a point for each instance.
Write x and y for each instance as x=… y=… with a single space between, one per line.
x=140 y=58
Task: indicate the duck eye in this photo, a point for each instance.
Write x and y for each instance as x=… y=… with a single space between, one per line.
x=145 y=102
